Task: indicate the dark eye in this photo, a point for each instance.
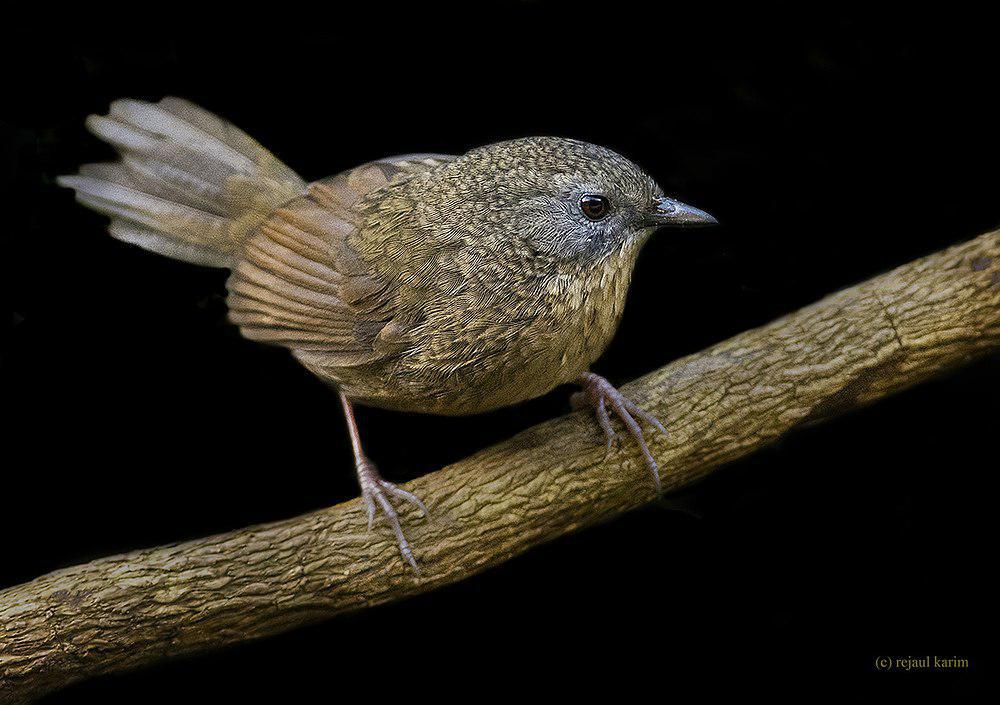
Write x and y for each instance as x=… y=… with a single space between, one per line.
x=595 y=207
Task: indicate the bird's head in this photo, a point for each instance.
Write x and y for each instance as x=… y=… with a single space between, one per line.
x=572 y=200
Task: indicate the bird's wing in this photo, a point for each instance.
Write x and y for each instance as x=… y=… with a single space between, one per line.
x=298 y=282
x=410 y=164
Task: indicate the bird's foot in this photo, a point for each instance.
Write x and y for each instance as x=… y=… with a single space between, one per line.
x=599 y=394
x=376 y=493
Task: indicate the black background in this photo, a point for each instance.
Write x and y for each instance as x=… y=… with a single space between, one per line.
x=832 y=147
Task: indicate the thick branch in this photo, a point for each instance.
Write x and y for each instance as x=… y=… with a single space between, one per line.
x=853 y=347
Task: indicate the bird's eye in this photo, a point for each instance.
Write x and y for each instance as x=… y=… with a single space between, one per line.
x=595 y=207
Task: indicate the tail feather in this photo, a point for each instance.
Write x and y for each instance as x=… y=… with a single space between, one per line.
x=161 y=244
x=189 y=184
x=130 y=203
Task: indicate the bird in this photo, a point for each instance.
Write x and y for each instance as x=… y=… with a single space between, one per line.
x=429 y=283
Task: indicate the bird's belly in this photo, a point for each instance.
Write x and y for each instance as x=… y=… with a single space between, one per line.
x=470 y=389
x=489 y=371
x=469 y=364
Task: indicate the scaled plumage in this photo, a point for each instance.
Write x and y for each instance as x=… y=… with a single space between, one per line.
x=429 y=283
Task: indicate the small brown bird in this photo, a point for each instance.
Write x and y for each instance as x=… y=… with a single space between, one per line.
x=429 y=283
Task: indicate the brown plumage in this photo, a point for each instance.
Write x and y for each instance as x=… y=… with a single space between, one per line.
x=428 y=283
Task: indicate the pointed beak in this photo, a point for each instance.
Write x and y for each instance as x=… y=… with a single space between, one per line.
x=667 y=212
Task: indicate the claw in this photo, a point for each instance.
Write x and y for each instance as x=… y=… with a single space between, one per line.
x=373 y=492
x=370 y=508
x=403 y=494
x=599 y=394
x=644 y=415
x=605 y=422
x=374 y=488
x=393 y=520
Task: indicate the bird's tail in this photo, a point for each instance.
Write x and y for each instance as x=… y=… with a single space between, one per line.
x=189 y=185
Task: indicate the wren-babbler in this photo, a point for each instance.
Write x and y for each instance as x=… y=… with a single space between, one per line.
x=430 y=283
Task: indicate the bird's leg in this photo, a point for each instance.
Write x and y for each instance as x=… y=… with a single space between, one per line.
x=599 y=394
x=375 y=492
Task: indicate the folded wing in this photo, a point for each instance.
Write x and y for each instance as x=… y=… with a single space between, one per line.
x=299 y=284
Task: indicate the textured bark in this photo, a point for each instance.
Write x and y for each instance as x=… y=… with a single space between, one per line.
x=849 y=349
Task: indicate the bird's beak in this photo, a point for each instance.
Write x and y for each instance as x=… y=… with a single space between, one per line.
x=667 y=212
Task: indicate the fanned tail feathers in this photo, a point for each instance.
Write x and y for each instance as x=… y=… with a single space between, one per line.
x=189 y=185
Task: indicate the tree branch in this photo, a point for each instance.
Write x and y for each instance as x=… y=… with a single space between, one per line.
x=849 y=349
